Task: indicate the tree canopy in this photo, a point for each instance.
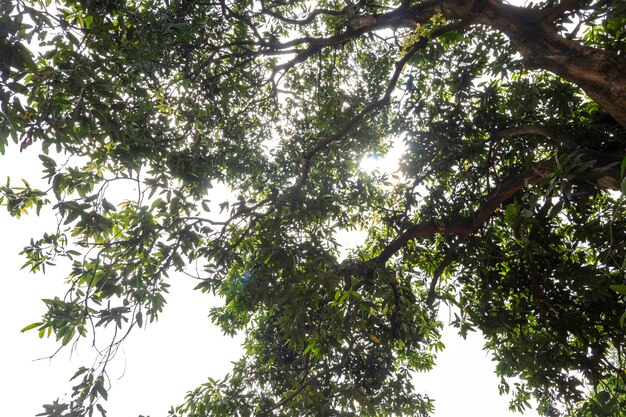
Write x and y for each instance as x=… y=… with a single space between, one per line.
x=505 y=205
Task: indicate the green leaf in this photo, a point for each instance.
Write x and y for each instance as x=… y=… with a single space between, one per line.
x=31 y=326
x=48 y=162
x=99 y=388
x=80 y=372
x=621 y=289
x=511 y=214
x=108 y=206
x=101 y=410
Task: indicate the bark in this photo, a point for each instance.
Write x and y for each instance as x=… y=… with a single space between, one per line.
x=600 y=73
x=465 y=226
x=604 y=172
x=562 y=140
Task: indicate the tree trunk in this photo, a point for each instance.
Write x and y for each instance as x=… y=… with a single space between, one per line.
x=601 y=74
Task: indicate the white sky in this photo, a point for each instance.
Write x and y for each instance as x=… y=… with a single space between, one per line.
x=158 y=365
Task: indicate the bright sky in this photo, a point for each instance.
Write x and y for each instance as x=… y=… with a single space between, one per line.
x=158 y=365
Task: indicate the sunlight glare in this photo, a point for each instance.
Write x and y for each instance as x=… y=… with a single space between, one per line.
x=388 y=163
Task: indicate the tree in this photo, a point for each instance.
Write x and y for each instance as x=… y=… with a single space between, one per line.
x=504 y=205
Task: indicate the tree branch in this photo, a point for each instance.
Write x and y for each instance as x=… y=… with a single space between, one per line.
x=303 y=384
x=603 y=173
x=395 y=19
x=447 y=260
x=535 y=284
x=560 y=139
x=465 y=226
x=564 y=141
x=310 y=155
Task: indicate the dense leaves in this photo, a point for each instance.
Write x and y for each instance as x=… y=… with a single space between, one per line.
x=240 y=128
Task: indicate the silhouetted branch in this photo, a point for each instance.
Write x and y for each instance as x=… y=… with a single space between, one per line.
x=447 y=260
x=560 y=139
x=465 y=226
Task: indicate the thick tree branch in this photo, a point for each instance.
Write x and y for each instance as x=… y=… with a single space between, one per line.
x=395 y=19
x=560 y=139
x=604 y=173
x=465 y=226
x=600 y=73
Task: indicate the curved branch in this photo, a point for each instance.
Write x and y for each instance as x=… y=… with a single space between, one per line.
x=447 y=260
x=300 y=57
x=560 y=139
x=598 y=72
x=395 y=19
x=227 y=11
x=465 y=226
x=288 y=398
x=603 y=172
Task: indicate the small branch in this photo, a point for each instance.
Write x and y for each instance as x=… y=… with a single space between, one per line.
x=535 y=283
x=279 y=370
x=227 y=11
x=288 y=398
x=300 y=57
x=560 y=139
x=395 y=19
x=447 y=260
x=605 y=172
x=203 y=220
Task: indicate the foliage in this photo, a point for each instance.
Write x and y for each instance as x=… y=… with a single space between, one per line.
x=504 y=205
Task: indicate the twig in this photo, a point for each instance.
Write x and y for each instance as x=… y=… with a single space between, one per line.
x=447 y=260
